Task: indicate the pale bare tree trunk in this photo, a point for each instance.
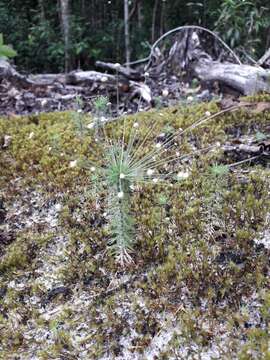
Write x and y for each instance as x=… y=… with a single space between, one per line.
x=64 y=7
x=127 y=39
x=162 y=29
x=42 y=10
x=154 y=20
x=140 y=15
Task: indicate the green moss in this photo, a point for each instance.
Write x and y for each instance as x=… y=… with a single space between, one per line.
x=194 y=238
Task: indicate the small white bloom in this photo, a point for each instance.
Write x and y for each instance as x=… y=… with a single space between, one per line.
x=165 y=92
x=154 y=158
x=90 y=126
x=79 y=111
x=155 y=180
x=105 y=214
x=182 y=175
x=122 y=176
x=92 y=168
x=73 y=163
x=104 y=79
x=158 y=145
x=190 y=98
x=150 y=172
x=31 y=135
x=207 y=113
x=43 y=102
x=218 y=144
x=135 y=125
x=50 y=148
x=7 y=141
x=177 y=153
x=102 y=119
x=58 y=207
x=120 y=195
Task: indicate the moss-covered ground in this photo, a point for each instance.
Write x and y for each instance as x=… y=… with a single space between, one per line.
x=199 y=284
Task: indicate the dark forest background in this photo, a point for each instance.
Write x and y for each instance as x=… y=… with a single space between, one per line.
x=36 y=29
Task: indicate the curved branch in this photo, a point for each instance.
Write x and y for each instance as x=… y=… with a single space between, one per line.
x=180 y=28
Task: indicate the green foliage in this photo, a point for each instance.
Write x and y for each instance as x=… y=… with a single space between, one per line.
x=6 y=51
x=242 y=23
x=97 y=30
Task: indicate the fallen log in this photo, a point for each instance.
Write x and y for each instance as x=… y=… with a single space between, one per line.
x=245 y=79
x=128 y=73
x=82 y=77
x=8 y=72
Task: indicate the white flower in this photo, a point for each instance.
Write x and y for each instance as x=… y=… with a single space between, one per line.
x=43 y=102
x=79 y=111
x=31 y=135
x=120 y=195
x=165 y=92
x=104 y=79
x=58 y=207
x=218 y=144
x=182 y=175
x=150 y=172
x=73 y=163
x=135 y=125
x=177 y=153
x=190 y=98
x=158 y=145
x=155 y=180
x=207 y=113
x=102 y=119
x=92 y=168
x=7 y=141
x=90 y=126
x=122 y=176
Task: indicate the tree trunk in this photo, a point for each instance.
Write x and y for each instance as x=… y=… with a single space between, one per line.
x=127 y=39
x=64 y=4
x=42 y=10
x=140 y=15
x=154 y=20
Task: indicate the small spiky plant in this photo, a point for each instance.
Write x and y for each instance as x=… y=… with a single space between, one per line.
x=127 y=164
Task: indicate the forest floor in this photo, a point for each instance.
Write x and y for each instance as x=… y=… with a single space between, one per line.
x=198 y=286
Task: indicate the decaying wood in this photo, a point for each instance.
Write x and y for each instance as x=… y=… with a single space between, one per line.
x=8 y=72
x=265 y=59
x=82 y=77
x=245 y=79
x=128 y=73
x=175 y=59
